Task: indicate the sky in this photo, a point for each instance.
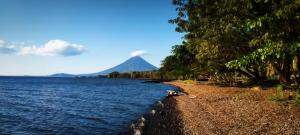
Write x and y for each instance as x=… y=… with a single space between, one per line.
x=42 y=37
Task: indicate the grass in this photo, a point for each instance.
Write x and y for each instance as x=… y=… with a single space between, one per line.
x=189 y=81
x=279 y=96
x=283 y=99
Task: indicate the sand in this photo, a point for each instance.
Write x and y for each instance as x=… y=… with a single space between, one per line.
x=209 y=109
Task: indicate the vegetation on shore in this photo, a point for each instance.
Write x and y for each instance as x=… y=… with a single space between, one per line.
x=137 y=75
x=233 y=42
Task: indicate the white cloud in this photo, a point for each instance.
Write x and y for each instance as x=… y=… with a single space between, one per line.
x=2 y=42
x=138 y=53
x=53 y=48
x=6 y=49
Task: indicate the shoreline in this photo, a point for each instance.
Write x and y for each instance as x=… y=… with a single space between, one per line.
x=209 y=109
x=161 y=118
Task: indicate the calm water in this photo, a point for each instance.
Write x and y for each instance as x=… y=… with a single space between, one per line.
x=73 y=105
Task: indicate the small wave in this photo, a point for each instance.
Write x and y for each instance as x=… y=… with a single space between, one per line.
x=73 y=106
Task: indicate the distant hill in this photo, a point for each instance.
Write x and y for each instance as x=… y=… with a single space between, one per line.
x=136 y=63
x=61 y=75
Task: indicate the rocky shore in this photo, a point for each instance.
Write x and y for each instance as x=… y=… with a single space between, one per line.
x=208 y=109
x=162 y=119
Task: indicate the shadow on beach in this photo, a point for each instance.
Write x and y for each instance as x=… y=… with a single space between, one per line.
x=166 y=120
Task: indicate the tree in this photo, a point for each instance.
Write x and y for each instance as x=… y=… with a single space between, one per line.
x=238 y=37
x=179 y=65
x=277 y=37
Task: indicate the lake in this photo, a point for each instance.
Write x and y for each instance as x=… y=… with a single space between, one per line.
x=41 y=105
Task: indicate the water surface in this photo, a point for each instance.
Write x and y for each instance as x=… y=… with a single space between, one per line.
x=36 y=105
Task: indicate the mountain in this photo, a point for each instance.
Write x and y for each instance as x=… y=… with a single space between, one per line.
x=135 y=63
x=61 y=75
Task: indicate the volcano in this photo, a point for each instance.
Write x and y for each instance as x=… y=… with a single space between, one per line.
x=135 y=63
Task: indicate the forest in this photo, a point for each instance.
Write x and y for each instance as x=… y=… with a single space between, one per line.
x=234 y=42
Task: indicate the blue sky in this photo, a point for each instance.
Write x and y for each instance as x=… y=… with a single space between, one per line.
x=40 y=37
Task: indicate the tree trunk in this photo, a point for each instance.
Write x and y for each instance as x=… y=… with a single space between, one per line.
x=297 y=75
x=285 y=76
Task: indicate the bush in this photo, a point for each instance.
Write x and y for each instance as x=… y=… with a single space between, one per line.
x=279 y=88
x=279 y=96
x=297 y=100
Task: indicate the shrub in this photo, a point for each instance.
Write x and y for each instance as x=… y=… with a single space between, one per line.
x=279 y=87
x=297 y=100
x=279 y=96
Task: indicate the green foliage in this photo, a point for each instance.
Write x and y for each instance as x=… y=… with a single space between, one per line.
x=224 y=38
x=279 y=88
x=297 y=100
x=180 y=65
x=137 y=75
x=279 y=97
x=283 y=100
x=189 y=81
x=270 y=51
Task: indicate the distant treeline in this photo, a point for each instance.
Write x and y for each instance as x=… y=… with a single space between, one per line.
x=228 y=41
x=155 y=74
